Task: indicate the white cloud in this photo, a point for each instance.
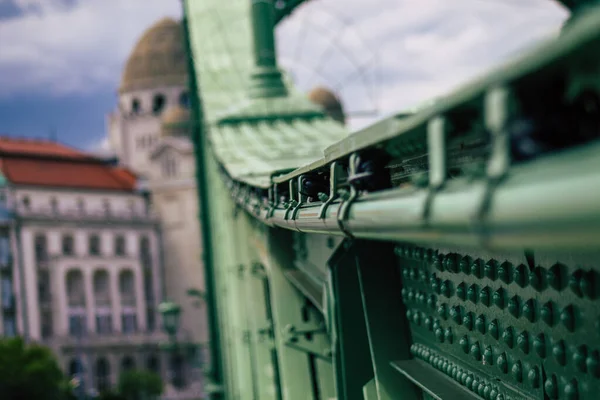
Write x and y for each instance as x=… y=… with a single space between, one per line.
x=415 y=49
x=63 y=46
x=422 y=48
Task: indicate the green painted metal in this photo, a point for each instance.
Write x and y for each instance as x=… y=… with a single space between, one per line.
x=452 y=280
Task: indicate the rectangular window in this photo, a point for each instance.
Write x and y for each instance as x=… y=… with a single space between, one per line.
x=46 y=324
x=151 y=319
x=104 y=324
x=129 y=323
x=94 y=245
x=7 y=293
x=43 y=286
x=4 y=251
x=77 y=325
x=68 y=245
x=10 y=325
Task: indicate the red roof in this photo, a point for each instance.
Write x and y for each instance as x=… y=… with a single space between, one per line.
x=46 y=163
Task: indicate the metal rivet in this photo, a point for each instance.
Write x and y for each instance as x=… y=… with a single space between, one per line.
x=476 y=351
x=460 y=291
x=493 y=329
x=465 y=264
x=555 y=278
x=476 y=267
x=468 y=321
x=469 y=380
x=539 y=345
x=488 y=356
x=450 y=262
x=574 y=281
x=558 y=351
x=472 y=293
x=534 y=377
x=429 y=323
x=431 y=301
x=437 y=264
x=484 y=296
x=464 y=343
x=508 y=337
x=529 y=310
x=587 y=284
x=593 y=363
x=535 y=278
x=498 y=298
x=448 y=335
x=417 y=318
x=502 y=363
x=523 y=342
x=547 y=313
x=480 y=323
x=517 y=371
x=571 y=392
x=442 y=311
x=490 y=269
x=519 y=275
x=514 y=306
x=504 y=272
x=579 y=358
x=567 y=317
x=455 y=314
x=551 y=388
x=439 y=334
x=446 y=288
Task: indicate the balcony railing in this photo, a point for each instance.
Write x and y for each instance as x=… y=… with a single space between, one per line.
x=78 y=214
x=113 y=339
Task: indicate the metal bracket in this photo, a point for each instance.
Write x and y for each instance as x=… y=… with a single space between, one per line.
x=497 y=115
x=292 y=203
x=301 y=340
x=438 y=171
x=335 y=176
x=345 y=206
x=301 y=197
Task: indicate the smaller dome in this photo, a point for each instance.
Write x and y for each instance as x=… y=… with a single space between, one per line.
x=330 y=103
x=176 y=121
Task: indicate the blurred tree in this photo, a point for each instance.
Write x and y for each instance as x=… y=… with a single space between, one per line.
x=140 y=385
x=30 y=372
x=111 y=396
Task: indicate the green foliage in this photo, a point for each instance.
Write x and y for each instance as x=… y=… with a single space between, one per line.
x=140 y=384
x=29 y=372
x=111 y=396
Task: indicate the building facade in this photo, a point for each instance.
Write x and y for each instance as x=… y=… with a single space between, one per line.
x=81 y=265
x=149 y=132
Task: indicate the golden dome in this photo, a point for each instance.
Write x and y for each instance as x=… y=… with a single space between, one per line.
x=176 y=121
x=158 y=58
x=330 y=103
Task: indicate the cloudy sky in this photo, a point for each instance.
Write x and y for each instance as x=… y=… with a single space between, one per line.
x=61 y=60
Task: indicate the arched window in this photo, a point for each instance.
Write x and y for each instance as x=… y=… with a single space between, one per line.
x=158 y=104
x=75 y=367
x=127 y=363
x=178 y=371
x=135 y=106
x=101 y=288
x=127 y=287
x=169 y=165
x=102 y=374
x=75 y=289
x=153 y=364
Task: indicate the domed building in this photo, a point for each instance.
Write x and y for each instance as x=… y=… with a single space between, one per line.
x=329 y=102
x=150 y=133
x=155 y=78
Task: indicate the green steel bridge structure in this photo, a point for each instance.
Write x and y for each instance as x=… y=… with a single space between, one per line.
x=450 y=252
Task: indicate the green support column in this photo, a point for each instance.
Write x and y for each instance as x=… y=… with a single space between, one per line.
x=267 y=80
